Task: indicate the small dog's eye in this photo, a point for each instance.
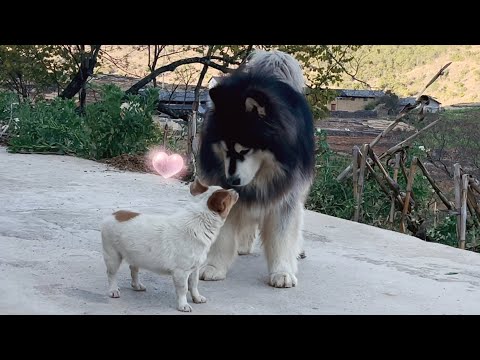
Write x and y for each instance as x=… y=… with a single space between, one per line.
x=244 y=152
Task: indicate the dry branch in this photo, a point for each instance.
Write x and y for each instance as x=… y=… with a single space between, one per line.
x=457 y=178
x=463 y=212
x=408 y=140
x=356 y=151
x=435 y=187
x=473 y=202
x=411 y=177
x=361 y=180
x=395 y=178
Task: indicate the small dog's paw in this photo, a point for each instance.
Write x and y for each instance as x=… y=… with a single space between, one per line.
x=184 y=308
x=139 y=287
x=114 y=293
x=211 y=273
x=283 y=280
x=199 y=299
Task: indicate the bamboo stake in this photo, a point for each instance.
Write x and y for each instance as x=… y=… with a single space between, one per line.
x=463 y=212
x=355 y=174
x=411 y=177
x=437 y=75
x=165 y=132
x=408 y=140
x=440 y=194
x=395 y=187
x=395 y=178
x=361 y=182
x=380 y=182
x=458 y=195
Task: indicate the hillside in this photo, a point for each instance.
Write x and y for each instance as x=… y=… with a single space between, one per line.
x=404 y=69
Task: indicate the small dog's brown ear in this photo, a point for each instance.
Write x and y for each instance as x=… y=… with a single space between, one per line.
x=217 y=201
x=197 y=188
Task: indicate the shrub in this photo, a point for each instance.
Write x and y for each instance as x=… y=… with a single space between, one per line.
x=110 y=127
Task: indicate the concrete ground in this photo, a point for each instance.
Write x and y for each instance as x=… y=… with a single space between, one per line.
x=51 y=260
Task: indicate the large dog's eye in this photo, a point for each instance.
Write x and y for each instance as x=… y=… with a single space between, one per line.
x=245 y=152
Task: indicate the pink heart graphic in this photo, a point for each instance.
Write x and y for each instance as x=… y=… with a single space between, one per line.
x=167 y=165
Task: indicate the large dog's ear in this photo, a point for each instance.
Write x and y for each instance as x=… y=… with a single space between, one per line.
x=215 y=94
x=255 y=102
x=197 y=188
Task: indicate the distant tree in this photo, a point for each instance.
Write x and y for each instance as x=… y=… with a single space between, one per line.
x=154 y=52
x=390 y=100
x=84 y=60
x=30 y=69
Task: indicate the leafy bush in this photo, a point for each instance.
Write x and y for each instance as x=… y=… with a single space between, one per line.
x=48 y=127
x=6 y=99
x=446 y=233
x=110 y=127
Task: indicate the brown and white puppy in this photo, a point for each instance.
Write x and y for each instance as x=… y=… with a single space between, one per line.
x=174 y=244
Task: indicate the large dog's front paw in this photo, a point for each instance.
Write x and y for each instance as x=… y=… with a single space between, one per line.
x=211 y=273
x=114 y=293
x=283 y=280
x=199 y=299
x=184 y=308
x=138 y=286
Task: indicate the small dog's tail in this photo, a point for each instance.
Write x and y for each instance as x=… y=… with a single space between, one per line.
x=281 y=64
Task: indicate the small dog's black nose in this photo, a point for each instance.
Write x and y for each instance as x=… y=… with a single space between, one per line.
x=233 y=181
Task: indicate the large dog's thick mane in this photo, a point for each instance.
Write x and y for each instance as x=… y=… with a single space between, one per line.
x=285 y=130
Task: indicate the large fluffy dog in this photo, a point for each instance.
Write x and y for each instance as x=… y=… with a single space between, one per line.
x=258 y=138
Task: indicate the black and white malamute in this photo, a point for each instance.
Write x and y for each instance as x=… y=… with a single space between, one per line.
x=258 y=139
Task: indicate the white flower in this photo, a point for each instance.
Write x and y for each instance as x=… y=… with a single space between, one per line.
x=422 y=148
x=125 y=106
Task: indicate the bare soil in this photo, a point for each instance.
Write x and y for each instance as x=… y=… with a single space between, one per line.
x=128 y=162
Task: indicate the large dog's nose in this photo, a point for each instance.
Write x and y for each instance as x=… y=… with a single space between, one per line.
x=233 y=181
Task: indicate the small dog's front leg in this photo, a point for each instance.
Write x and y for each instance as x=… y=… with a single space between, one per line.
x=193 y=287
x=180 y=280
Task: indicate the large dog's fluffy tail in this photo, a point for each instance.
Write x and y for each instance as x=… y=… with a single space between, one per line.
x=281 y=64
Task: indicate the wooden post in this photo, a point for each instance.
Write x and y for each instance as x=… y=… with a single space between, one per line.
x=165 y=132
x=355 y=173
x=411 y=177
x=361 y=179
x=463 y=212
x=458 y=196
x=395 y=178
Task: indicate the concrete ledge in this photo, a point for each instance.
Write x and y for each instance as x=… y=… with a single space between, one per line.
x=51 y=261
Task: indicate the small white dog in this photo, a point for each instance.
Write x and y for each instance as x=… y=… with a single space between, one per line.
x=174 y=244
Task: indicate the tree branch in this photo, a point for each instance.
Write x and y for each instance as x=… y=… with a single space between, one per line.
x=171 y=67
x=339 y=63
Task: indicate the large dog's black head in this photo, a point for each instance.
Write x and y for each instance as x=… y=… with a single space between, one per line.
x=257 y=126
